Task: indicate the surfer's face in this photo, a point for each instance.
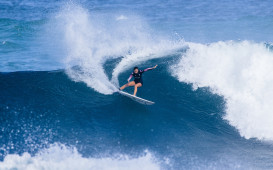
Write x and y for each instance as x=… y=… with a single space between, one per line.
x=136 y=70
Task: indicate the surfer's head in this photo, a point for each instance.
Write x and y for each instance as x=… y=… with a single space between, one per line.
x=135 y=69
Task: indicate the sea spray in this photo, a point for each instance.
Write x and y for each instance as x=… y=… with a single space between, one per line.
x=92 y=38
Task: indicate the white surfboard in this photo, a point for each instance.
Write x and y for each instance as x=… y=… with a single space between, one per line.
x=137 y=99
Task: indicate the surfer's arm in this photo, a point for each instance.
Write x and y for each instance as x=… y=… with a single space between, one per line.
x=150 y=68
x=130 y=77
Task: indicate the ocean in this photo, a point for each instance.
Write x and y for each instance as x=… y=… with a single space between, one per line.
x=61 y=63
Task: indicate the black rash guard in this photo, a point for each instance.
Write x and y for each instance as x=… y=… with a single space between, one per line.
x=138 y=76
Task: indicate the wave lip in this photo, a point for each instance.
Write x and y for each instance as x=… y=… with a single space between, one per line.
x=242 y=73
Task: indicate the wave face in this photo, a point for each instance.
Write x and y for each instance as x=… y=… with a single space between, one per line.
x=61 y=63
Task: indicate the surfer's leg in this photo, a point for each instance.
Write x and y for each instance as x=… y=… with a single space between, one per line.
x=136 y=86
x=132 y=83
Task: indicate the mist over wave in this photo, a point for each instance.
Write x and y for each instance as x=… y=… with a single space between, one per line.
x=241 y=72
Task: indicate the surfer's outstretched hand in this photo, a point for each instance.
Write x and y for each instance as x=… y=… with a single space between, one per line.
x=154 y=66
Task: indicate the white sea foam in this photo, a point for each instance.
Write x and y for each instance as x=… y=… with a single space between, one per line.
x=242 y=72
x=92 y=38
x=65 y=158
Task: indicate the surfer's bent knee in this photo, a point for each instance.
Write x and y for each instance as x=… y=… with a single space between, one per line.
x=138 y=85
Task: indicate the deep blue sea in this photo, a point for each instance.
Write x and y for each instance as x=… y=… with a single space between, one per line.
x=62 y=61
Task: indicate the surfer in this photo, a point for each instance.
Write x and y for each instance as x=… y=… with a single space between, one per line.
x=137 y=74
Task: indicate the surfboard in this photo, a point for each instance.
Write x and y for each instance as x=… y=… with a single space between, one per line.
x=137 y=99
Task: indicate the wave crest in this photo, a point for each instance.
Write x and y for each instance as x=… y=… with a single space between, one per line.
x=242 y=73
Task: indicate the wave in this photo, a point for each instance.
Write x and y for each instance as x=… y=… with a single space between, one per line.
x=238 y=71
x=241 y=72
x=59 y=156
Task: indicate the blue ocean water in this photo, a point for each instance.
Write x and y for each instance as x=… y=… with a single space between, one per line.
x=62 y=61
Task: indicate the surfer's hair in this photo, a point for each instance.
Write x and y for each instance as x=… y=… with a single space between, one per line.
x=135 y=68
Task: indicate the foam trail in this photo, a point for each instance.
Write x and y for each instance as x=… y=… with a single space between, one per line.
x=61 y=157
x=240 y=71
x=93 y=38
